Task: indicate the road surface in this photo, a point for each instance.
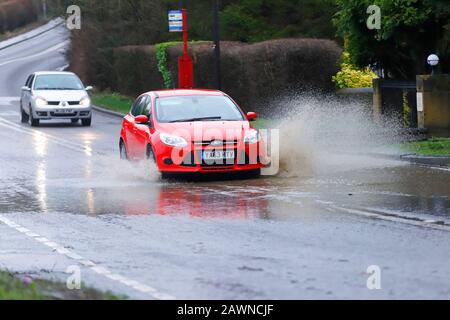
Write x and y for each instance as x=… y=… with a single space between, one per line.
x=66 y=200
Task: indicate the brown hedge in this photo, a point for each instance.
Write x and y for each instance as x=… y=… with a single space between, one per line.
x=17 y=13
x=136 y=70
x=253 y=74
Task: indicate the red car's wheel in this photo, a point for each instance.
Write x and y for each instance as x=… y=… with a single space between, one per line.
x=123 y=151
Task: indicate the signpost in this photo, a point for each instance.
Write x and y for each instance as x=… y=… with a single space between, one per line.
x=178 y=23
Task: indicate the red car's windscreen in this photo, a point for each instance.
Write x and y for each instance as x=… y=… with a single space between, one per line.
x=197 y=108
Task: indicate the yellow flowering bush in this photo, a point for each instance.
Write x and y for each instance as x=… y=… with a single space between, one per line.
x=352 y=77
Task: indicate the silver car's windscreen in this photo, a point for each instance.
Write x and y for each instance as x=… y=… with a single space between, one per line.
x=196 y=108
x=57 y=82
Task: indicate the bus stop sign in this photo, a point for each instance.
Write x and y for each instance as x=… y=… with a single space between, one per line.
x=175 y=21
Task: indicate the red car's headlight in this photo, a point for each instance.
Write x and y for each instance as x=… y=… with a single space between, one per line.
x=173 y=141
x=252 y=137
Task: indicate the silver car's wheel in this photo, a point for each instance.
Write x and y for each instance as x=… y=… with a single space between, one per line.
x=86 y=122
x=34 y=122
x=23 y=116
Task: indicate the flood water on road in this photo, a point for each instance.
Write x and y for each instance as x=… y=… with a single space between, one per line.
x=65 y=168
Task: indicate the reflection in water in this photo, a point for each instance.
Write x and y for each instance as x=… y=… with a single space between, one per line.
x=40 y=142
x=87 y=139
x=204 y=202
x=90 y=199
x=88 y=149
x=180 y=200
x=41 y=185
x=88 y=169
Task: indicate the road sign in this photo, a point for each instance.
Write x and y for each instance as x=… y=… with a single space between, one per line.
x=176 y=21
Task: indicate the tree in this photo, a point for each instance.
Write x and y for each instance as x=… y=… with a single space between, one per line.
x=410 y=31
x=257 y=20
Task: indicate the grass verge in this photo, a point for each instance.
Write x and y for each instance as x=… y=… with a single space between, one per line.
x=13 y=287
x=112 y=101
x=263 y=123
x=429 y=147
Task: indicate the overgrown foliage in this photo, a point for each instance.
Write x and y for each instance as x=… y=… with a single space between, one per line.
x=259 y=20
x=161 y=56
x=410 y=31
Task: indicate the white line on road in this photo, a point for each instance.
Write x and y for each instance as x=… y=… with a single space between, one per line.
x=63 y=68
x=152 y=292
x=388 y=216
x=87 y=150
x=51 y=49
x=8 y=101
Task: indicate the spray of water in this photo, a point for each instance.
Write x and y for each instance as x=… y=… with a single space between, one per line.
x=320 y=133
x=127 y=172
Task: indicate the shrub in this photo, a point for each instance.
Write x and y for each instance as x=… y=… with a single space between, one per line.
x=17 y=13
x=351 y=77
x=136 y=70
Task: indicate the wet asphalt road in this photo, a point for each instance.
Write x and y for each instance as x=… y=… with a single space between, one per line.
x=66 y=200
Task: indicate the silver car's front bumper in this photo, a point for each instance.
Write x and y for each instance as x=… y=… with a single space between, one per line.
x=72 y=112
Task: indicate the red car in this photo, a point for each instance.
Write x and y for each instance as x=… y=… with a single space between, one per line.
x=192 y=131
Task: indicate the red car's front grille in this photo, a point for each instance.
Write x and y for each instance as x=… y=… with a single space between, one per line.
x=192 y=159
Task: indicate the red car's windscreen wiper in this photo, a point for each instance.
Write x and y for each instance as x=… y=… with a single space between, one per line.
x=197 y=119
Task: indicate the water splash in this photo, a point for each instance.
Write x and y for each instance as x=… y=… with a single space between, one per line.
x=323 y=133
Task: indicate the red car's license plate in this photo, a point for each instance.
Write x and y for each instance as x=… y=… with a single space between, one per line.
x=218 y=155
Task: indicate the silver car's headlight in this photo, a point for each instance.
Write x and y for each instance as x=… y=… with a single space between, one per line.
x=85 y=102
x=173 y=141
x=41 y=102
x=252 y=137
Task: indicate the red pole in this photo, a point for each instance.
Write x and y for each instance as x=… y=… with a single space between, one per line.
x=185 y=34
x=185 y=64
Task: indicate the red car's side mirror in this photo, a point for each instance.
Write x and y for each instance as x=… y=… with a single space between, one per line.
x=252 y=116
x=141 y=119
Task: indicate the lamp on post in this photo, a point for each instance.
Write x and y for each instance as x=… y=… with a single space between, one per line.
x=433 y=61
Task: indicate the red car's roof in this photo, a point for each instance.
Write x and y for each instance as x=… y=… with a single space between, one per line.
x=187 y=92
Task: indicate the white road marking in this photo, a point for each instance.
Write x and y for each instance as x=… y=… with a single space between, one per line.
x=437 y=168
x=9 y=113
x=63 y=68
x=8 y=101
x=51 y=49
x=62 y=142
x=387 y=216
x=152 y=292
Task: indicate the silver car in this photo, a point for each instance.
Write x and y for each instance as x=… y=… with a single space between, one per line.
x=55 y=95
